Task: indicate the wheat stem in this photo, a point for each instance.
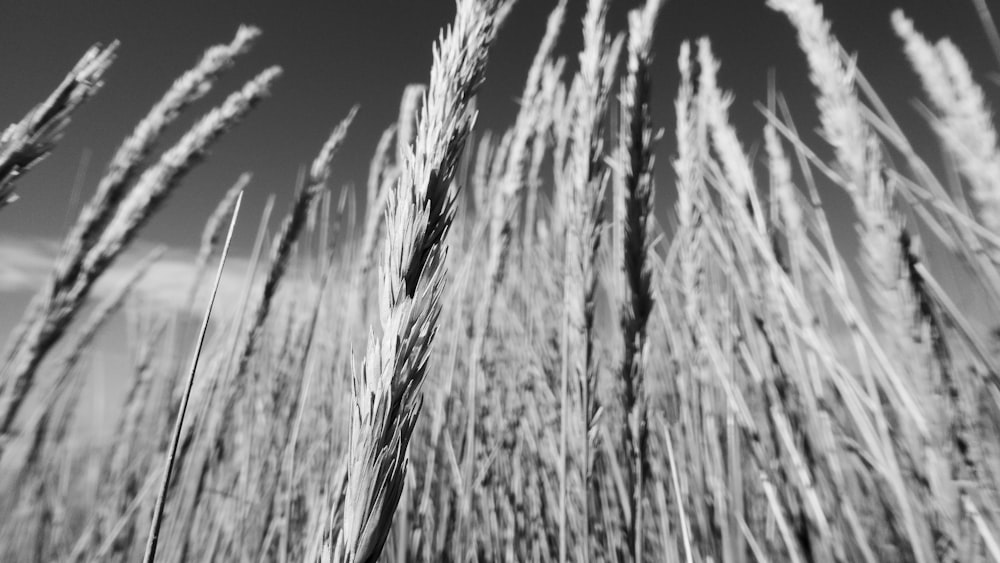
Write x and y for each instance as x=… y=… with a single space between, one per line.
x=161 y=499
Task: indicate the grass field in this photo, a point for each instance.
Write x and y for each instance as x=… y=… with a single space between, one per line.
x=503 y=353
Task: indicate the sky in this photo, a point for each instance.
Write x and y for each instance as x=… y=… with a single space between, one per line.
x=335 y=54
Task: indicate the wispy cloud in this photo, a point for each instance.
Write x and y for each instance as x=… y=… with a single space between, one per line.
x=25 y=263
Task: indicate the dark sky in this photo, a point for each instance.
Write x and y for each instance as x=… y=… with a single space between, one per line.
x=337 y=53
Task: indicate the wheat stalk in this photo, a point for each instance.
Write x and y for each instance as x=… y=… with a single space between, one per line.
x=419 y=213
x=61 y=298
x=52 y=308
x=585 y=222
x=381 y=172
x=134 y=150
x=636 y=162
x=505 y=206
x=966 y=122
x=547 y=99
x=883 y=258
x=222 y=419
x=715 y=109
x=112 y=188
x=196 y=463
x=291 y=228
x=486 y=152
x=211 y=235
x=154 y=529
x=280 y=258
x=510 y=184
x=25 y=143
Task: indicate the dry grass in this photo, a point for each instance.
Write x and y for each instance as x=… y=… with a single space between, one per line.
x=544 y=379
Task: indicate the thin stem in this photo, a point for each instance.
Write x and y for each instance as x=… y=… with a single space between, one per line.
x=154 y=528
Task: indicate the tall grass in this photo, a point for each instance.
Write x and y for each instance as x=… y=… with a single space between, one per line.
x=110 y=221
x=552 y=370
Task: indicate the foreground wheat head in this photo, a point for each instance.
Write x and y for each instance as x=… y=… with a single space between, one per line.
x=419 y=213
